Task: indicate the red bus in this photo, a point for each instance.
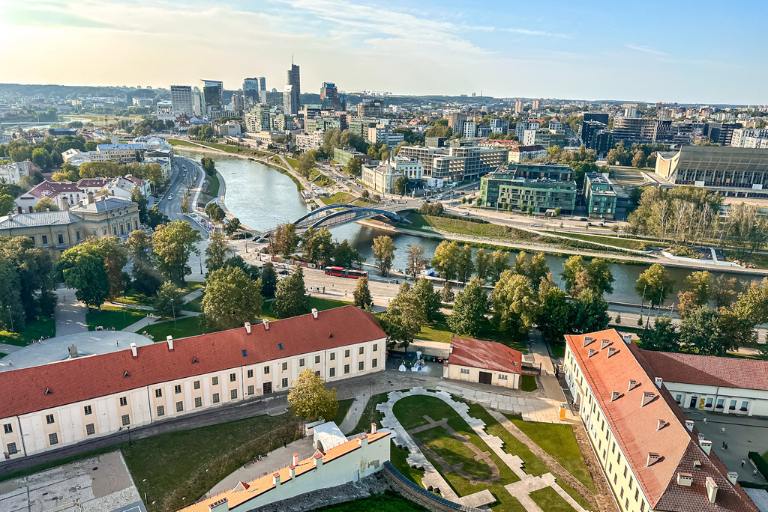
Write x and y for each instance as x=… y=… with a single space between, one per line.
x=345 y=272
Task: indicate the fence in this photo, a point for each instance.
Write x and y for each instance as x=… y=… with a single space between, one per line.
x=412 y=492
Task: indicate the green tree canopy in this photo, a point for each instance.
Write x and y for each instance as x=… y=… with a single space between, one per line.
x=514 y=302
x=284 y=240
x=217 y=251
x=231 y=298
x=169 y=300
x=362 y=295
x=268 y=281
x=384 y=253
x=427 y=298
x=173 y=243
x=291 y=298
x=403 y=319
x=654 y=284
x=469 y=310
x=84 y=271
x=662 y=336
x=310 y=400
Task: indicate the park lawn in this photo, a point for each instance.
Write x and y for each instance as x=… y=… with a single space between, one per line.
x=573 y=493
x=466 y=227
x=409 y=411
x=398 y=456
x=180 y=142
x=528 y=383
x=195 y=305
x=177 y=468
x=370 y=414
x=440 y=332
x=319 y=178
x=559 y=441
x=344 y=406
x=757 y=259
x=112 y=317
x=211 y=187
x=387 y=502
x=548 y=499
x=339 y=198
x=43 y=327
x=533 y=465
x=293 y=161
x=180 y=328
x=620 y=243
x=134 y=299
x=454 y=452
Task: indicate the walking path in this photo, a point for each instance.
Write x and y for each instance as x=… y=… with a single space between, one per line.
x=355 y=412
x=432 y=478
x=70 y=313
x=8 y=349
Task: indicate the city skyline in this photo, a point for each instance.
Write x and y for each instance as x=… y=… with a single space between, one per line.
x=617 y=52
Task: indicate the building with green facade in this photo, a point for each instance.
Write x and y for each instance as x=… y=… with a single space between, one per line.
x=343 y=155
x=534 y=188
x=599 y=196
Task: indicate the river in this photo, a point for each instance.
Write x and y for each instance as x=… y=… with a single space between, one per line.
x=262 y=198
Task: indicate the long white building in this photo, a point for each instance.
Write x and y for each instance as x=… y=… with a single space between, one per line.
x=67 y=402
x=653 y=459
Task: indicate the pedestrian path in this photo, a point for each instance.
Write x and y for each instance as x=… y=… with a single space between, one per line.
x=354 y=413
x=70 y=313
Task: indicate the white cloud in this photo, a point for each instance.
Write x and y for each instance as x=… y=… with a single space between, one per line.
x=646 y=49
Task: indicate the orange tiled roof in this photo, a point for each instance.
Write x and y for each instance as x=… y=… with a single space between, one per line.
x=487 y=355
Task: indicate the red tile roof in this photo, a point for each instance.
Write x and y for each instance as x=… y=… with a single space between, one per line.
x=709 y=370
x=487 y=355
x=90 y=377
x=53 y=188
x=635 y=428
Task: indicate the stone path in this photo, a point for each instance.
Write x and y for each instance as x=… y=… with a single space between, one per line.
x=9 y=349
x=354 y=413
x=432 y=478
x=70 y=313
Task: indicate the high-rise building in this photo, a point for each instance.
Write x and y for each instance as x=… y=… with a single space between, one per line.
x=292 y=95
x=329 y=96
x=258 y=119
x=181 y=100
x=518 y=106
x=370 y=108
x=630 y=110
x=262 y=89
x=211 y=96
x=251 y=91
x=535 y=104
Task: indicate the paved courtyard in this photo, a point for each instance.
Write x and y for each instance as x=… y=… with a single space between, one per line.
x=97 y=484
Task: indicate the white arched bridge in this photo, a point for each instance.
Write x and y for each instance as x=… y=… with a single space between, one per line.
x=337 y=214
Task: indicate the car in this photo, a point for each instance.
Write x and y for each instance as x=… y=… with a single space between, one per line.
x=283 y=272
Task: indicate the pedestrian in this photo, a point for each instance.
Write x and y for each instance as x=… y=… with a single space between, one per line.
x=742 y=462
x=723 y=445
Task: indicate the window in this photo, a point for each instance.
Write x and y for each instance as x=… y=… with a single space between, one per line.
x=465 y=371
x=361 y=366
x=198 y=401
x=215 y=381
x=709 y=402
x=720 y=403
x=45 y=239
x=285 y=367
x=374 y=362
x=12 y=448
x=216 y=398
x=196 y=384
x=123 y=401
x=232 y=377
x=250 y=373
x=333 y=356
x=53 y=439
x=250 y=389
x=87 y=410
x=126 y=420
x=284 y=383
x=361 y=350
x=179 y=406
x=502 y=376
x=160 y=411
x=49 y=419
x=744 y=406
x=375 y=347
x=158 y=393
x=177 y=388
x=346 y=353
x=317 y=372
x=301 y=362
x=678 y=398
x=346 y=369
x=61 y=239
x=8 y=428
x=732 y=405
x=317 y=359
x=233 y=394
x=332 y=372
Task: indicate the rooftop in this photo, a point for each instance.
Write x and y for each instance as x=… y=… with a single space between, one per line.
x=53 y=188
x=102 y=204
x=488 y=355
x=37 y=219
x=649 y=428
x=85 y=378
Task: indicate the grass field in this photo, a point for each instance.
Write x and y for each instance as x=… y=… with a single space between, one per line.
x=398 y=456
x=177 y=468
x=339 y=198
x=195 y=305
x=319 y=179
x=134 y=299
x=548 y=499
x=344 y=406
x=370 y=414
x=620 y=243
x=34 y=330
x=465 y=227
x=440 y=332
x=387 y=502
x=182 y=143
x=112 y=317
x=181 y=328
x=528 y=383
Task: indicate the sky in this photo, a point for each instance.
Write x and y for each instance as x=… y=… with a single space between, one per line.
x=703 y=51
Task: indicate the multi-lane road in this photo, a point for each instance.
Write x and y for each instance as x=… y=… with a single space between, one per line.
x=186 y=177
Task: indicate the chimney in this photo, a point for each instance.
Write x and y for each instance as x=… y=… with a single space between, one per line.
x=72 y=349
x=711 y=489
x=219 y=506
x=685 y=479
x=689 y=425
x=706 y=445
x=318 y=459
x=276 y=479
x=292 y=472
x=134 y=350
x=314 y=312
x=658 y=381
x=169 y=340
x=295 y=459
x=373 y=427
x=266 y=324
x=733 y=477
x=248 y=327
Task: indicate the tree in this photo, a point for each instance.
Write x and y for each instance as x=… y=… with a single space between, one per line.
x=554 y=313
x=169 y=300
x=290 y=297
x=34 y=267
x=654 y=284
x=514 y=304
x=662 y=336
x=446 y=293
x=354 y=167
x=284 y=240
x=231 y=298
x=155 y=217
x=215 y=212
x=415 y=263
x=84 y=271
x=700 y=332
x=46 y=204
x=427 y=298
x=535 y=268
x=469 y=310
x=482 y=264
x=216 y=252
x=403 y=319
x=172 y=244
x=12 y=316
x=384 y=253
x=752 y=304
x=499 y=263
x=317 y=245
x=310 y=400
x=6 y=204
x=138 y=198
x=445 y=259
x=594 y=275
x=209 y=166
x=362 y=294
x=590 y=312
x=344 y=255
x=41 y=158
x=401 y=185
x=268 y=281
x=232 y=226
x=115 y=257
x=464 y=266
x=307 y=162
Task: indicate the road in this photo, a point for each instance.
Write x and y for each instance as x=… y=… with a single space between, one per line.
x=186 y=176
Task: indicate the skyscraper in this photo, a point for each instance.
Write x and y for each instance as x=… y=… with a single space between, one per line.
x=211 y=96
x=535 y=104
x=518 y=106
x=251 y=91
x=262 y=89
x=292 y=103
x=181 y=100
x=329 y=96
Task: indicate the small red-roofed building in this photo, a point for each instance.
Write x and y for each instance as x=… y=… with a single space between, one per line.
x=484 y=362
